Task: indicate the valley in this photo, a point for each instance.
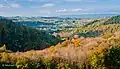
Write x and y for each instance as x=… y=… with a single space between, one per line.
x=90 y=44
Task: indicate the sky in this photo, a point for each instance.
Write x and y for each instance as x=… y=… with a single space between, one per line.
x=58 y=7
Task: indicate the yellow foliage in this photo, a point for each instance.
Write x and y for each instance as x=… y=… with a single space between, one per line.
x=90 y=53
x=65 y=43
x=52 y=48
x=100 y=50
x=4 y=46
x=5 y=57
x=107 y=35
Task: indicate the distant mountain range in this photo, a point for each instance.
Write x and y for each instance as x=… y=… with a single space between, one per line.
x=89 y=15
x=66 y=16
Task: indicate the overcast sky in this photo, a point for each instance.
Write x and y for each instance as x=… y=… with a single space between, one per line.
x=58 y=7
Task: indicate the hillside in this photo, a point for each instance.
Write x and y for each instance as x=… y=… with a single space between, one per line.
x=106 y=21
x=99 y=27
x=20 y=38
x=78 y=53
x=95 y=28
x=113 y=20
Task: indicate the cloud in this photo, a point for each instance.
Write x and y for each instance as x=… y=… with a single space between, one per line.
x=13 y=5
x=48 y=5
x=76 y=10
x=61 y=10
x=2 y=6
x=72 y=10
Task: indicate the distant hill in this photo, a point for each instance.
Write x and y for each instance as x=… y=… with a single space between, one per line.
x=20 y=38
x=105 y=21
x=97 y=22
x=113 y=20
x=50 y=17
x=99 y=27
x=90 y=15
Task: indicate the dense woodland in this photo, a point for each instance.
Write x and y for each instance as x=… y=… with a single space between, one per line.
x=94 y=46
x=21 y=38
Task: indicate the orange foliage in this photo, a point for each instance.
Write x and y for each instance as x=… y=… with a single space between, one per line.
x=76 y=42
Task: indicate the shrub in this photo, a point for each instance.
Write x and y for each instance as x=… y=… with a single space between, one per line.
x=112 y=59
x=49 y=64
x=22 y=64
x=63 y=66
x=107 y=35
x=67 y=66
x=65 y=43
x=34 y=65
x=3 y=48
x=76 y=42
x=52 y=48
x=96 y=59
x=5 y=57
